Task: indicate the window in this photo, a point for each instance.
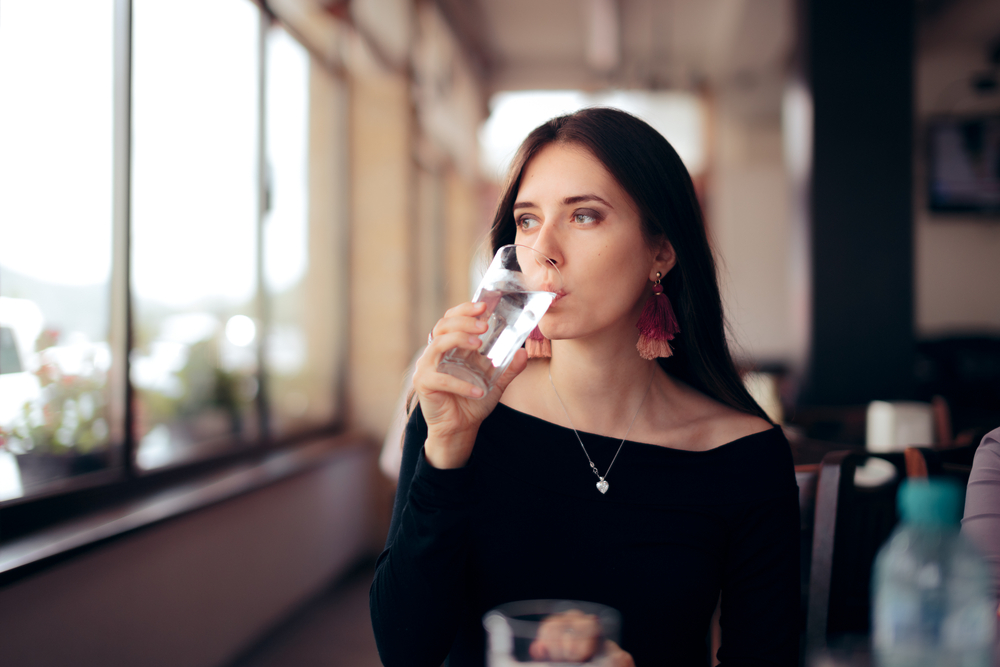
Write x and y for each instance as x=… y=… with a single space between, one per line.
x=217 y=316
x=56 y=194
x=194 y=227
x=299 y=354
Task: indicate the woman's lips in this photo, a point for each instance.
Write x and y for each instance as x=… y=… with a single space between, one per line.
x=559 y=295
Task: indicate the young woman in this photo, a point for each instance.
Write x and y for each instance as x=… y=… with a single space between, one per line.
x=626 y=466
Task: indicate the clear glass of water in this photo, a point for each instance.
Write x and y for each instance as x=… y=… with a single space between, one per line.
x=546 y=632
x=519 y=286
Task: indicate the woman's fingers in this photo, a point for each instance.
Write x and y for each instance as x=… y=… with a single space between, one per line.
x=616 y=656
x=570 y=636
x=518 y=364
x=447 y=383
x=427 y=379
x=469 y=308
x=465 y=323
x=464 y=313
x=445 y=342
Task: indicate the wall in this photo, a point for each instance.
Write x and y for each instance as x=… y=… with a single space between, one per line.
x=327 y=286
x=195 y=590
x=413 y=185
x=382 y=255
x=749 y=220
x=956 y=274
x=957 y=262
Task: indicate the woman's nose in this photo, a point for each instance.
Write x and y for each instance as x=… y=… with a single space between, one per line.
x=547 y=243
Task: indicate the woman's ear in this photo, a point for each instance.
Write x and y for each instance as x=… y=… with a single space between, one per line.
x=665 y=257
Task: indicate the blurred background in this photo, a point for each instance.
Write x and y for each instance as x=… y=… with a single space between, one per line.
x=226 y=227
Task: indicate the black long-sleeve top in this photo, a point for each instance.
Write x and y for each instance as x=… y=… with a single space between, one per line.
x=524 y=520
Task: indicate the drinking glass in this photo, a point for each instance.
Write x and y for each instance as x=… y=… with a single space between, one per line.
x=519 y=286
x=545 y=632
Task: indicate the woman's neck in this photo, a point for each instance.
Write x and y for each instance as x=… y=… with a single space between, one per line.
x=601 y=385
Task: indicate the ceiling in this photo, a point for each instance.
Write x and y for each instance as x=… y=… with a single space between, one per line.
x=661 y=44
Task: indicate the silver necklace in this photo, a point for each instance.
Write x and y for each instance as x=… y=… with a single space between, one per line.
x=602 y=484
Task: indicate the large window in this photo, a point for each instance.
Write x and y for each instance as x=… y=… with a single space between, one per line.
x=213 y=333
x=56 y=194
x=194 y=219
x=298 y=351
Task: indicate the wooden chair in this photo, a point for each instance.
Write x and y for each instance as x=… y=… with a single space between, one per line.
x=850 y=525
x=951 y=461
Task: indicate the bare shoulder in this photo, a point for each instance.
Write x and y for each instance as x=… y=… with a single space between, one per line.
x=713 y=424
x=733 y=425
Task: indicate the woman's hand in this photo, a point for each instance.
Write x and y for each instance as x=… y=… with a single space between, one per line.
x=616 y=656
x=453 y=408
x=574 y=636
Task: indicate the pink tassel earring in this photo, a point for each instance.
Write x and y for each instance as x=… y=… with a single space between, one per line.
x=538 y=345
x=657 y=325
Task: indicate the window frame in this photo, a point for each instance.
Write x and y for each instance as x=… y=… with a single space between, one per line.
x=78 y=495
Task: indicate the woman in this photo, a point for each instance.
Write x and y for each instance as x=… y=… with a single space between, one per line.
x=497 y=500
x=981 y=523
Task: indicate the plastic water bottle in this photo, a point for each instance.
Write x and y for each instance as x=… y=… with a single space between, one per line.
x=933 y=600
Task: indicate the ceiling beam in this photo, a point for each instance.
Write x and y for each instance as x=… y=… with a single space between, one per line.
x=468 y=21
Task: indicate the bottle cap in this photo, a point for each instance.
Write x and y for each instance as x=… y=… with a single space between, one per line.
x=930 y=502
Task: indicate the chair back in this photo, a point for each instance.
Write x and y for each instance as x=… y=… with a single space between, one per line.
x=953 y=462
x=851 y=522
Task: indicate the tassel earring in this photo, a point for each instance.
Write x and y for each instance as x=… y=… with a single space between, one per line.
x=657 y=325
x=538 y=345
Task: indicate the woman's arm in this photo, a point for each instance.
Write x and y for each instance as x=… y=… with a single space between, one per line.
x=760 y=589
x=417 y=597
x=982 y=505
x=419 y=585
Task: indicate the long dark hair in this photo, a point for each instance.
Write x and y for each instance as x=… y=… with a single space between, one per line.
x=650 y=171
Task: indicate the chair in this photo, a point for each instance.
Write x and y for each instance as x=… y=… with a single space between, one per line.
x=953 y=462
x=964 y=371
x=850 y=524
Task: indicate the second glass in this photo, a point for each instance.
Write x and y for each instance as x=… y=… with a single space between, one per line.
x=519 y=286
x=547 y=632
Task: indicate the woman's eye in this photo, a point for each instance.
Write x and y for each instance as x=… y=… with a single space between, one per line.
x=526 y=223
x=584 y=218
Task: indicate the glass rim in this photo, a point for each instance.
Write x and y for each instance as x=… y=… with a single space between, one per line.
x=609 y=618
x=551 y=262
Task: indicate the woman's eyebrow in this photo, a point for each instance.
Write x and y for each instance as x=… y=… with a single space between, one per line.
x=582 y=198
x=569 y=200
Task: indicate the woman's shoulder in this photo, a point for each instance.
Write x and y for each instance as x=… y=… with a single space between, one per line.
x=986 y=464
x=990 y=442
x=754 y=467
x=682 y=417
x=701 y=423
x=723 y=425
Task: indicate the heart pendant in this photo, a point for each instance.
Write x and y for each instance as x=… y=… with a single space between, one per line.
x=602 y=486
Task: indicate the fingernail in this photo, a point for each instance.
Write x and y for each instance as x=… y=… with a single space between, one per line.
x=474 y=340
x=476 y=391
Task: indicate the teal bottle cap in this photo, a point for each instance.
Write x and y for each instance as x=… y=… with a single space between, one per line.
x=930 y=502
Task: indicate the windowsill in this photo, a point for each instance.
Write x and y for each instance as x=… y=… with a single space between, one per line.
x=29 y=553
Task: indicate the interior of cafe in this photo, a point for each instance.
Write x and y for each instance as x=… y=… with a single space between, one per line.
x=227 y=227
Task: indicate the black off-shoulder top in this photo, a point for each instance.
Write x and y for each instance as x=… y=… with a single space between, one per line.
x=525 y=520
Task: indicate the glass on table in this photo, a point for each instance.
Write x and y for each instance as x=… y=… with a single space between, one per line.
x=543 y=632
x=519 y=286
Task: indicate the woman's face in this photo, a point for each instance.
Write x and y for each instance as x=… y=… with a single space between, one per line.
x=571 y=209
